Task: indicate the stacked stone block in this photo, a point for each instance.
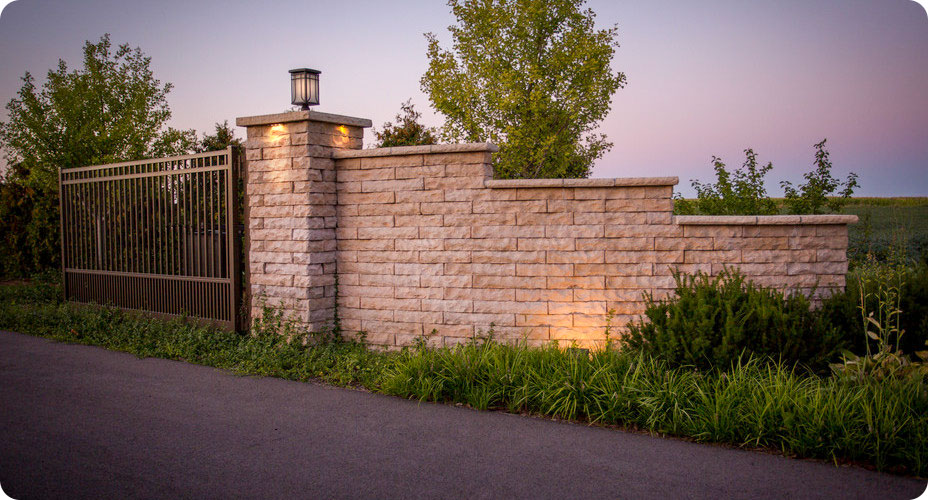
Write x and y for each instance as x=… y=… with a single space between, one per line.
x=805 y=254
x=290 y=210
x=428 y=244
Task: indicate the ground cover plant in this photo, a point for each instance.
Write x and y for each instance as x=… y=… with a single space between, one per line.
x=272 y=349
x=751 y=403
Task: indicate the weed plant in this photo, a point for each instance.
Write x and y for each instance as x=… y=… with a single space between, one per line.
x=864 y=284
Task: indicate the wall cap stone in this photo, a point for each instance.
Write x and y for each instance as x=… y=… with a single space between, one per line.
x=299 y=116
x=474 y=147
x=762 y=220
x=581 y=183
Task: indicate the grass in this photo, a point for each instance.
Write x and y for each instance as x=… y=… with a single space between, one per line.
x=754 y=404
x=881 y=225
x=37 y=310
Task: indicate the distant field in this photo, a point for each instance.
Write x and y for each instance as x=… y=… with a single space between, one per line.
x=906 y=201
x=884 y=221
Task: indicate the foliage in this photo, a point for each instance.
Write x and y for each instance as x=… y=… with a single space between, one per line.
x=897 y=297
x=407 y=131
x=533 y=77
x=24 y=211
x=275 y=346
x=113 y=109
x=743 y=192
x=815 y=196
x=739 y=193
x=880 y=288
x=887 y=226
x=883 y=363
x=223 y=137
x=711 y=322
x=752 y=404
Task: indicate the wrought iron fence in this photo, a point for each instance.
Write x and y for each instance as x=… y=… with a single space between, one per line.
x=157 y=235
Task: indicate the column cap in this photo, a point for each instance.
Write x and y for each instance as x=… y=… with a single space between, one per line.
x=299 y=116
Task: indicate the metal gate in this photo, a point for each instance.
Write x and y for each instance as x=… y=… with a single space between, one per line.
x=157 y=235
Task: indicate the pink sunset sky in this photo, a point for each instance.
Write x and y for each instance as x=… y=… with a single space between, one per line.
x=704 y=78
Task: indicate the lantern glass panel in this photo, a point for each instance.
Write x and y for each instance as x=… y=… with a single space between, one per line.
x=312 y=89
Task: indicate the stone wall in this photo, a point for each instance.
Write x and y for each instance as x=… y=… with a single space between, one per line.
x=428 y=243
x=804 y=253
x=425 y=242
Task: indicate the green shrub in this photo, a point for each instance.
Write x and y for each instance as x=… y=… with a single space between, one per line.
x=29 y=241
x=816 y=195
x=713 y=321
x=743 y=193
x=739 y=193
x=407 y=131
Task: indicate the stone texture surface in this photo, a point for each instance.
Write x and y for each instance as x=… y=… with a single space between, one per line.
x=429 y=244
x=291 y=211
x=424 y=242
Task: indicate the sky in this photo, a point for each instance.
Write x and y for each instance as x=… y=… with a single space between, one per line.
x=703 y=78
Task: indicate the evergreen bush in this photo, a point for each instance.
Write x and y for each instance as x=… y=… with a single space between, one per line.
x=711 y=322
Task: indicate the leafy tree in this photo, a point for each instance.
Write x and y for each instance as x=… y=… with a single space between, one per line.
x=739 y=193
x=112 y=109
x=532 y=76
x=407 y=131
x=223 y=138
x=815 y=196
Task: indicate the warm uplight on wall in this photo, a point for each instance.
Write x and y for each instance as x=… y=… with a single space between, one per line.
x=342 y=139
x=304 y=87
x=278 y=129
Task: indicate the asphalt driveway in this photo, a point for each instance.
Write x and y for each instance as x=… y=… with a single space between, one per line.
x=83 y=422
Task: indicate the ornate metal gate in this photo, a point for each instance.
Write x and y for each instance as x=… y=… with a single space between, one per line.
x=157 y=235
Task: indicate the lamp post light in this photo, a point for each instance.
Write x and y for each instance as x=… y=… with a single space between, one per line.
x=304 y=87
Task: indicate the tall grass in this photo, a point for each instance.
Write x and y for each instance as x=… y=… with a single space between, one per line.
x=752 y=404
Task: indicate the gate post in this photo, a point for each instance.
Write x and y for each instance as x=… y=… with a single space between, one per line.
x=290 y=204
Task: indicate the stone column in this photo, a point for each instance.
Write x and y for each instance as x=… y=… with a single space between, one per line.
x=290 y=202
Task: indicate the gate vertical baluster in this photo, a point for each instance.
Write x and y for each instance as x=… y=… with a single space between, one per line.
x=62 y=216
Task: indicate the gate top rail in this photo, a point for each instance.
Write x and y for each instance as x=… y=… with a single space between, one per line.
x=166 y=164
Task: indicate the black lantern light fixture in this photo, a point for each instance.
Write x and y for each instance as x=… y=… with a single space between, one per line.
x=304 y=87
